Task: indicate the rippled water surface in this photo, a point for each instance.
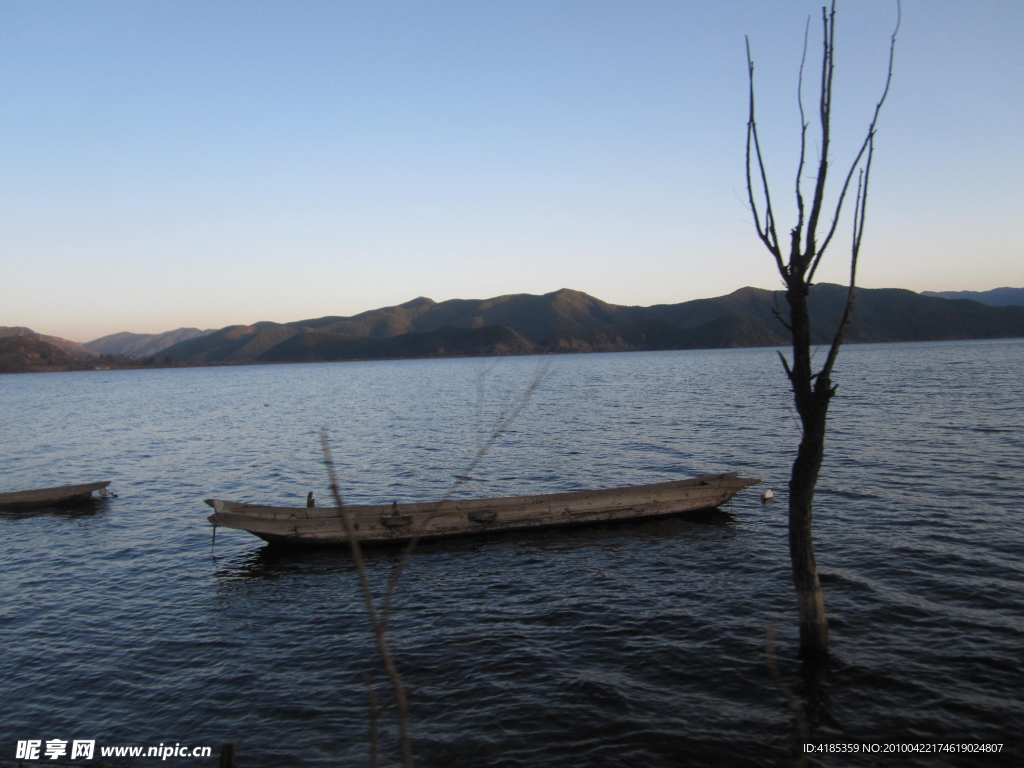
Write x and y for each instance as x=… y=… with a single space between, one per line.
x=632 y=645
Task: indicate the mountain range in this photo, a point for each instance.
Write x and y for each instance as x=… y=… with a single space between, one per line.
x=997 y=297
x=572 y=321
x=72 y=347
x=142 y=344
x=558 y=322
x=20 y=353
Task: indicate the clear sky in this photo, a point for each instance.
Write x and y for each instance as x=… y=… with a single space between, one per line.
x=205 y=163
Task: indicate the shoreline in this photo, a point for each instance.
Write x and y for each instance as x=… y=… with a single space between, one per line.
x=85 y=368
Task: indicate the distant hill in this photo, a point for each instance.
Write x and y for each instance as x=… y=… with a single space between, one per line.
x=448 y=341
x=530 y=317
x=68 y=346
x=997 y=297
x=20 y=353
x=533 y=317
x=142 y=344
x=571 y=321
x=22 y=350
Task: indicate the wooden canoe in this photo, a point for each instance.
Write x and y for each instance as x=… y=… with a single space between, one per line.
x=62 y=496
x=396 y=523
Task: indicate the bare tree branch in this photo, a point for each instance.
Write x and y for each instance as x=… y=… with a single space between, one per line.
x=867 y=145
x=768 y=234
x=785 y=365
x=375 y=711
x=778 y=313
x=795 y=245
x=379 y=630
x=824 y=375
x=379 y=622
x=799 y=261
x=859 y=214
x=839 y=207
x=483 y=450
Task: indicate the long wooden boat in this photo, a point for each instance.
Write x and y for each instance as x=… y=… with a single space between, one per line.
x=62 y=496
x=396 y=523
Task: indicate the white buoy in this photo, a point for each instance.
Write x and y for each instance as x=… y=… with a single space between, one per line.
x=767 y=495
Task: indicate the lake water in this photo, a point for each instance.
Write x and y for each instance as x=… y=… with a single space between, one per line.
x=633 y=645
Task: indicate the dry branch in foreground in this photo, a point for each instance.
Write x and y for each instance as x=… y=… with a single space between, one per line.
x=379 y=619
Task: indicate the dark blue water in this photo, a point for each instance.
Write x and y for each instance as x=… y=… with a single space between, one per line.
x=639 y=644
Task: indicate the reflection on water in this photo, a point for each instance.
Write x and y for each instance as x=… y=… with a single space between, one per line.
x=70 y=512
x=274 y=560
x=269 y=562
x=618 y=645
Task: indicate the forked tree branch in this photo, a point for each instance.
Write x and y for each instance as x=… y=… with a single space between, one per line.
x=379 y=622
x=483 y=450
x=866 y=145
x=378 y=627
x=859 y=214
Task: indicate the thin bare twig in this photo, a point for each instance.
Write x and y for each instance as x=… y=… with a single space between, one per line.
x=499 y=430
x=798 y=261
x=375 y=711
x=481 y=375
x=379 y=622
x=379 y=630
x=767 y=234
x=778 y=313
x=785 y=365
x=824 y=375
x=803 y=143
x=429 y=681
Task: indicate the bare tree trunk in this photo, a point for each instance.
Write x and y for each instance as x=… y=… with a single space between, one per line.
x=813 y=410
x=810 y=600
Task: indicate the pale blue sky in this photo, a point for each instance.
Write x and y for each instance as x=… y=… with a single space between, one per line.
x=203 y=163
